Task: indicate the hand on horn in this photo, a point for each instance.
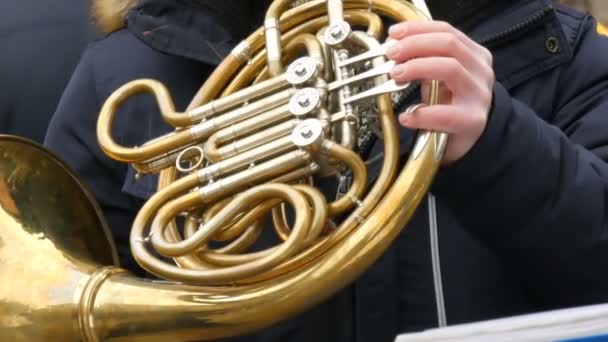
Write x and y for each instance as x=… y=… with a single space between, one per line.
x=437 y=51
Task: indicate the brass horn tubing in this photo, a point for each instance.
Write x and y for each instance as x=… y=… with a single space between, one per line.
x=221 y=77
x=244 y=234
x=211 y=88
x=257 y=139
x=207 y=215
x=218 y=80
x=166 y=160
x=318 y=207
x=166 y=146
x=246 y=231
x=187 y=261
x=265 y=136
x=348 y=134
x=231 y=184
x=228 y=256
x=279 y=221
x=298 y=174
x=272 y=34
x=242 y=224
x=294 y=44
x=268 y=135
x=335 y=11
x=206 y=128
x=223 y=259
x=189 y=182
x=277 y=165
x=273 y=27
x=389 y=215
x=312 y=46
x=225 y=275
x=352 y=160
x=243 y=128
x=266 y=170
x=385 y=178
x=376 y=194
x=327 y=53
x=214 y=84
x=216 y=170
x=164 y=195
x=248 y=72
x=166 y=178
x=240 y=97
x=108 y=113
x=387 y=173
x=240 y=245
x=239 y=161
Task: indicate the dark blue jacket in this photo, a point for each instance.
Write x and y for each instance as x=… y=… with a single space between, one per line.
x=522 y=219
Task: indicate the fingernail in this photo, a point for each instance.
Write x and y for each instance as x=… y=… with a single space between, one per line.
x=404 y=118
x=398 y=73
x=396 y=30
x=393 y=51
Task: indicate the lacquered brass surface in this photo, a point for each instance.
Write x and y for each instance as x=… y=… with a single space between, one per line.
x=270 y=119
x=52 y=238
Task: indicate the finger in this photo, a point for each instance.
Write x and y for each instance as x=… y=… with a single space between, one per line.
x=435 y=44
x=444 y=69
x=445 y=95
x=410 y=28
x=439 y=118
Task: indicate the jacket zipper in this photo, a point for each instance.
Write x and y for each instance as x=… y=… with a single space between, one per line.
x=503 y=35
x=432 y=210
x=436 y=263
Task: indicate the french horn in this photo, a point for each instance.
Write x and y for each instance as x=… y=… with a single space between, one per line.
x=289 y=106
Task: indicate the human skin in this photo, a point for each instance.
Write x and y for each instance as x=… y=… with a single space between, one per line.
x=437 y=51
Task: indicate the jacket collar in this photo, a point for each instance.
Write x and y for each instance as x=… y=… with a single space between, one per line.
x=178 y=28
x=526 y=39
x=502 y=17
x=460 y=12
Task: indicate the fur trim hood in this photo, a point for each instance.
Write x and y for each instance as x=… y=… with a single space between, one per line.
x=110 y=14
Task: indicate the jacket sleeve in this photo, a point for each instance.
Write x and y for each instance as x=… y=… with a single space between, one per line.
x=72 y=136
x=536 y=192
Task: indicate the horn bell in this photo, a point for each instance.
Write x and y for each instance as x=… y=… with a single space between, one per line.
x=53 y=239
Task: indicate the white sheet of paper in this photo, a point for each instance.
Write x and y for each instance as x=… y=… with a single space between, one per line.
x=561 y=325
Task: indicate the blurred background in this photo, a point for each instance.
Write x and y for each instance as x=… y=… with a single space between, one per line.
x=599 y=8
x=41 y=44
